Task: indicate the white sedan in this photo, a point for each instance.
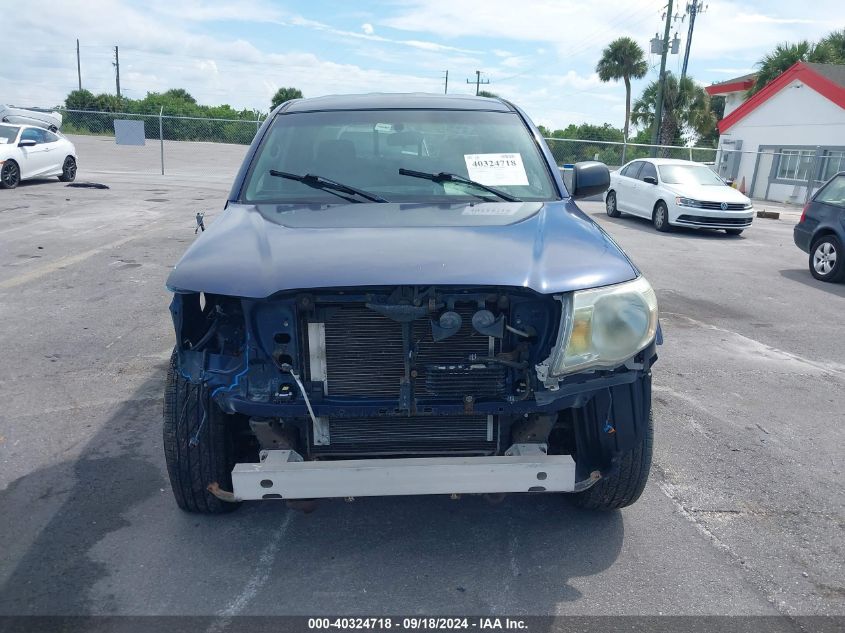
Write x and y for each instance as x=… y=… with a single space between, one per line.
x=677 y=193
x=28 y=152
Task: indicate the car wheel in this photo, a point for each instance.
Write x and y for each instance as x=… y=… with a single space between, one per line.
x=198 y=445
x=624 y=487
x=68 y=170
x=734 y=231
x=826 y=259
x=10 y=175
x=610 y=205
x=660 y=217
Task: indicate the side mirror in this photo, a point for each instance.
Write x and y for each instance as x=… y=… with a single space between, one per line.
x=27 y=142
x=650 y=180
x=589 y=178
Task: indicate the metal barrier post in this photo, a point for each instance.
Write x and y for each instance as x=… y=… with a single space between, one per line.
x=811 y=175
x=161 y=137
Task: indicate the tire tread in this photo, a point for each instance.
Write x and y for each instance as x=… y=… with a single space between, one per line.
x=192 y=468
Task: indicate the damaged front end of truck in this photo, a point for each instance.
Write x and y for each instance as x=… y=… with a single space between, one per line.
x=401 y=297
x=409 y=390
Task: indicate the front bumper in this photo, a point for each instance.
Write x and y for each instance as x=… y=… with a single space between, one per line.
x=710 y=218
x=282 y=474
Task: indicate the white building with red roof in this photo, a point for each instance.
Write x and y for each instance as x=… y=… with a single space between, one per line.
x=787 y=138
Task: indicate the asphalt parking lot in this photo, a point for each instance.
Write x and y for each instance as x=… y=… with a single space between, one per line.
x=744 y=512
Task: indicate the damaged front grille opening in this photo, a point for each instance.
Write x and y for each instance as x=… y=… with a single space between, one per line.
x=420 y=349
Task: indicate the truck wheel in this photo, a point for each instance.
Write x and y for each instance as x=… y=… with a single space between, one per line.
x=191 y=414
x=625 y=486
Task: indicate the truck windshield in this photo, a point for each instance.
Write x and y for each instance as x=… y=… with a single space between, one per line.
x=366 y=149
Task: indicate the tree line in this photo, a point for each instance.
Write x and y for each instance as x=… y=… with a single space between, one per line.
x=222 y=123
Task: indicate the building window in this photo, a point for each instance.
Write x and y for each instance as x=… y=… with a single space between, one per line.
x=833 y=162
x=795 y=164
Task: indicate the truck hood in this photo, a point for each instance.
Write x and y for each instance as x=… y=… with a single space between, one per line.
x=256 y=251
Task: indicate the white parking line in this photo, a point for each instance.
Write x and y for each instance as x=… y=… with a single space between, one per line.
x=259 y=578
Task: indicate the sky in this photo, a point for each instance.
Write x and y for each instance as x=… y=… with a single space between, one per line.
x=541 y=54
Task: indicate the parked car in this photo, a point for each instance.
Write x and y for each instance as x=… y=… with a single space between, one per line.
x=27 y=151
x=25 y=116
x=401 y=297
x=821 y=230
x=677 y=193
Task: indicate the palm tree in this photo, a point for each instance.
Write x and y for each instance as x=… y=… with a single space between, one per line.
x=623 y=59
x=834 y=42
x=785 y=55
x=686 y=110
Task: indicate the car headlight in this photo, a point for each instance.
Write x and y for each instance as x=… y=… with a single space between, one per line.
x=602 y=327
x=748 y=205
x=686 y=202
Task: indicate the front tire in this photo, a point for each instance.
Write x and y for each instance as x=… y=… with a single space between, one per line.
x=10 y=175
x=610 y=205
x=827 y=259
x=625 y=486
x=68 y=170
x=660 y=217
x=190 y=413
x=733 y=231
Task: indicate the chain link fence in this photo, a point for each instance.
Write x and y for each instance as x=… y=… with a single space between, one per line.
x=614 y=154
x=171 y=144
x=788 y=175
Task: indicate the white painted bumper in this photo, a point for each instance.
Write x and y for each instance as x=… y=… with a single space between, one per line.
x=283 y=475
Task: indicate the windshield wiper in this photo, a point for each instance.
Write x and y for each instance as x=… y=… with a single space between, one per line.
x=318 y=182
x=444 y=176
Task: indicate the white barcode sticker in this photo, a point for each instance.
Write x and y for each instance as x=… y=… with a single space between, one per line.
x=496 y=170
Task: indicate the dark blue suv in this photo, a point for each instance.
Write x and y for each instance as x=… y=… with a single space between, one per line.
x=821 y=230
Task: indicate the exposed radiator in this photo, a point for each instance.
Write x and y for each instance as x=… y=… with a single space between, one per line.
x=431 y=435
x=365 y=358
x=363 y=353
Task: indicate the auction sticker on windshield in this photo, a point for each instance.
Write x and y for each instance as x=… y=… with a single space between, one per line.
x=496 y=169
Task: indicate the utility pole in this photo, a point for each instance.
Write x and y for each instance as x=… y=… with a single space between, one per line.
x=117 y=70
x=658 y=107
x=78 y=65
x=446 y=83
x=693 y=8
x=478 y=81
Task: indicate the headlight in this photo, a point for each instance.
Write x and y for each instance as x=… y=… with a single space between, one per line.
x=603 y=327
x=748 y=205
x=687 y=202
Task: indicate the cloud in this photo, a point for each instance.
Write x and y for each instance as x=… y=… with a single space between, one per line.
x=367 y=28
x=419 y=44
